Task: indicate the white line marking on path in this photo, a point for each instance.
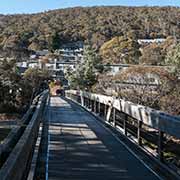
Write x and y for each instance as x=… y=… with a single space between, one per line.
x=47 y=158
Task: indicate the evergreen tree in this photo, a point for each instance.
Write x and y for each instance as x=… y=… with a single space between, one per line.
x=87 y=71
x=173 y=58
x=54 y=42
x=10 y=85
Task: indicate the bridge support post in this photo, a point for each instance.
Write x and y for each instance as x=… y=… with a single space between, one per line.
x=139 y=133
x=85 y=102
x=105 y=109
x=89 y=104
x=82 y=101
x=124 y=124
x=160 y=146
x=114 y=117
x=99 y=108
x=94 y=106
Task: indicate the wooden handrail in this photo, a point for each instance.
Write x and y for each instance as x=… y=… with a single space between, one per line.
x=153 y=118
x=17 y=164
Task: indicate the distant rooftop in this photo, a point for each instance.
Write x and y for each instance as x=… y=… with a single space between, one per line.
x=158 y=40
x=73 y=45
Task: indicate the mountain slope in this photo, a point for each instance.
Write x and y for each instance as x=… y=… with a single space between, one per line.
x=95 y=24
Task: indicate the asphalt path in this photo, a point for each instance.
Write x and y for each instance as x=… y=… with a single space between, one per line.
x=81 y=148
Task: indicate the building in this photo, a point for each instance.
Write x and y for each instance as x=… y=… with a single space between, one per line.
x=150 y=41
x=44 y=52
x=113 y=69
x=70 y=55
x=57 y=64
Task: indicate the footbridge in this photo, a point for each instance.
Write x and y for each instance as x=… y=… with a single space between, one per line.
x=85 y=136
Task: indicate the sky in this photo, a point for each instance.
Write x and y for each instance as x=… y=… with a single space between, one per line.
x=33 y=6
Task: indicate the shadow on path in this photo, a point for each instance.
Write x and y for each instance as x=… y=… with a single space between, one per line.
x=81 y=148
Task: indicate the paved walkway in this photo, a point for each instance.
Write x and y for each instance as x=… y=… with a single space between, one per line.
x=80 y=148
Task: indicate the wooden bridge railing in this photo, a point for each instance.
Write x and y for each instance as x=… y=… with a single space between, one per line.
x=18 y=148
x=148 y=127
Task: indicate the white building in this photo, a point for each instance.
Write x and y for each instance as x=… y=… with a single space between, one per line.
x=150 y=41
x=44 y=52
x=70 y=55
x=22 y=64
x=113 y=69
x=66 y=58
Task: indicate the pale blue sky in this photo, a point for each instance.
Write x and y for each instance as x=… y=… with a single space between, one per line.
x=32 y=6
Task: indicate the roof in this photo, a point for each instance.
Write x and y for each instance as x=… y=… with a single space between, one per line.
x=158 y=40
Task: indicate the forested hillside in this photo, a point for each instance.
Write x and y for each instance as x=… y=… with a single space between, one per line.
x=96 y=25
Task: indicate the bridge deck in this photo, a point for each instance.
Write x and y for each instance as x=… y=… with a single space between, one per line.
x=81 y=148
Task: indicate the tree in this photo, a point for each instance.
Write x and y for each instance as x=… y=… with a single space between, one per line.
x=54 y=42
x=14 y=47
x=15 y=90
x=152 y=55
x=121 y=49
x=104 y=82
x=37 y=43
x=10 y=86
x=149 y=86
x=35 y=78
x=97 y=24
x=85 y=75
x=171 y=102
x=173 y=59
